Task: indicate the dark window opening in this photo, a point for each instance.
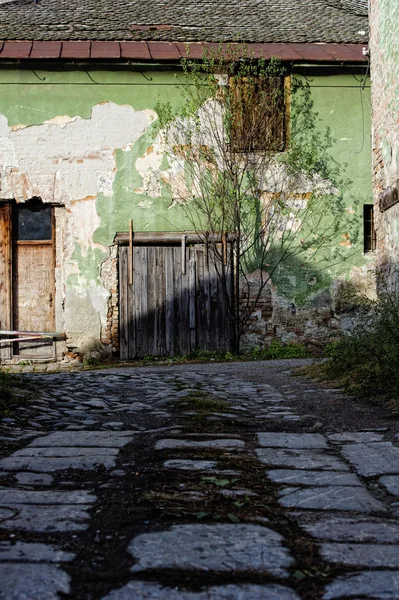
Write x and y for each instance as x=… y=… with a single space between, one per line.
x=32 y=221
x=258 y=115
x=369 y=241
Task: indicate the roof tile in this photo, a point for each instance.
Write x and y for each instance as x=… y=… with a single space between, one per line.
x=16 y=50
x=76 y=50
x=164 y=51
x=252 y=21
x=46 y=50
x=136 y=50
x=105 y=50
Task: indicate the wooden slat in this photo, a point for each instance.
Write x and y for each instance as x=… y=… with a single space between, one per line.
x=131 y=306
x=136 y=303
x=161 y=301
x=192 y=301
x=5 y=276
x=215 y=335
x=151 y=301
x=169 y=289
x=185 y=306
x=178 y=310
x=144 y=301
x=123 y=304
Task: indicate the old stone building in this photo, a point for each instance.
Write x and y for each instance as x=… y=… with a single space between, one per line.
x=384 y=61
x=79 y=83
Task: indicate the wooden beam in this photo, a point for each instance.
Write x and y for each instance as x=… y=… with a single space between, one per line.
x=162 y=237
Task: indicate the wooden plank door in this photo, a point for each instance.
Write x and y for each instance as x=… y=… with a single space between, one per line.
x=174 y=305
x=5 y=276
x=33 y=276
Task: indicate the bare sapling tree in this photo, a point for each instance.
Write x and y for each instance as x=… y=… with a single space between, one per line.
x=252 y=171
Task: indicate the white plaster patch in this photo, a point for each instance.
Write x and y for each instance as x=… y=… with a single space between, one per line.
x=84 y=222
x=67 y=158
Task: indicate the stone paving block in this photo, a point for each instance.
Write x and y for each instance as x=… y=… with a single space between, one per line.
x=191 y=465
x=347 y=529
x=26 y=552
x=378 y=458
x=8 y=497
x=100 y=439
x=378 y=585
x=362 y=555
x=31 y=581
x=34 y=479
x=60 y=452
x=142 y=590
x=49 y=465
x=225 y=444
x=300 y=459
x=331 y=498
x=221 y=547
x=391 y=482
x=323 y=478
x=292 y=440
x=46 y=518
x=356 y=437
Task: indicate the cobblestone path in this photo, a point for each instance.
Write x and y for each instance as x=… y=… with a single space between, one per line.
x=194 y=483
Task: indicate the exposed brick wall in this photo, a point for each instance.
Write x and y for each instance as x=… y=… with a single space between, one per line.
x=384 y=59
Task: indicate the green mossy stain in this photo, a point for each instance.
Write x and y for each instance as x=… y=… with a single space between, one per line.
x=89 y=265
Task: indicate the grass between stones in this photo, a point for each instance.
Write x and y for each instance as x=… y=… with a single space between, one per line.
x=10 y=396
x=200 y=401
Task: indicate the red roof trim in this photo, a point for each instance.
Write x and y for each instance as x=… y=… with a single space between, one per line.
x=170 y=51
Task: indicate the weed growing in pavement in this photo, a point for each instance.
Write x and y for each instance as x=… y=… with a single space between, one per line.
x=200 y=401
x=277 y=350
x=9 y=400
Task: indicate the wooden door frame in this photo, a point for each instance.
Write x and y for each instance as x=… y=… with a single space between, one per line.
x=6 y=295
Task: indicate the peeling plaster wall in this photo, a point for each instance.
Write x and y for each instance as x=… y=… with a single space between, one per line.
x=384 y=58
x=86 y=145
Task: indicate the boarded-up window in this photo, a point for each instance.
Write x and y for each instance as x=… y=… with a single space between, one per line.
x=257 y=114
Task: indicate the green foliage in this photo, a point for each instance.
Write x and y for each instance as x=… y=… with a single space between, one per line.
x=278 y=350
x=367 y=359
x=245 y=170
x=8 y=400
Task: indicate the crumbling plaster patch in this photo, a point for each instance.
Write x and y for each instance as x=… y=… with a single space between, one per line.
x=70 y=161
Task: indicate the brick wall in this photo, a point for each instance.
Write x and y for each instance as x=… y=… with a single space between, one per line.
x=384 y=60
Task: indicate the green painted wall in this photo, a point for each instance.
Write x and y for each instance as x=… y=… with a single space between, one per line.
x=30 y=98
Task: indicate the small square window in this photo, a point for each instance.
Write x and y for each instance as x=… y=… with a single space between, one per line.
x=369 y=240
x=257 y=114
x=32 y=221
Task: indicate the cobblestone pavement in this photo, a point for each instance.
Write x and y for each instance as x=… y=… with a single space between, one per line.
x=197 y=482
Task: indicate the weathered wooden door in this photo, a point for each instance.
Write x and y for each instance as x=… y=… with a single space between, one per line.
x=33 y=275
x=174 y=303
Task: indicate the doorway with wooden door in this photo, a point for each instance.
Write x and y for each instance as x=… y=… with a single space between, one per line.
x=27 y=238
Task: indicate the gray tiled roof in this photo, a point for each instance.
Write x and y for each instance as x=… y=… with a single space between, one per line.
x=338 y=21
